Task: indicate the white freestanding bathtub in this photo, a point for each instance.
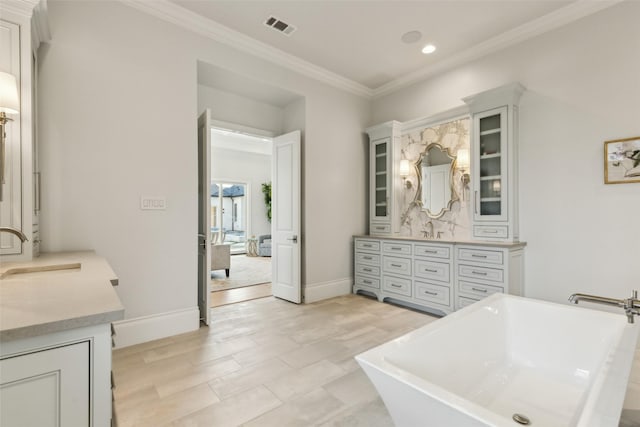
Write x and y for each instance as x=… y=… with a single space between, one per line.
x=555 y=365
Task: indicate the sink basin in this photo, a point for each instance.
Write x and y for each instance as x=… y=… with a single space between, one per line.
x=32 y=270
x=506 y=358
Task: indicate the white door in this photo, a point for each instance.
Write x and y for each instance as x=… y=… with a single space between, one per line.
x=204 y=215
x=285 y=226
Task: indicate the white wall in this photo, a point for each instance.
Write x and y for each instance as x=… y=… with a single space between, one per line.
x=583 y=89
x=118 y=109
x=252 y=168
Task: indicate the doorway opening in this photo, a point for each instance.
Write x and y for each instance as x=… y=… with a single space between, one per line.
x=240 y=228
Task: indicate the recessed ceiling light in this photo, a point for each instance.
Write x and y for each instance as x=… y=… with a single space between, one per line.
x=428 y=49
x=411 y=36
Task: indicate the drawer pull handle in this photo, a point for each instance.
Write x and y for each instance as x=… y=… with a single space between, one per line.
x=430 y=252
x=478 y=256
x=479 y=273
x=367 y=257
x=431 y=293
x=490 y=231
x=395 y=248
x=366 y=245
x=366 y=269
x=396 y=286
x=479 y=290
x=430 y=271
x=368 y=282
x=379 y=228
x=396 y=265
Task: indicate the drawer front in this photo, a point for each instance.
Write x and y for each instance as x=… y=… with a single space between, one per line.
x=375 y=228
x=432 y=270
x=368 y=281
x=443 y=252
x=368 y=245
x=397 y=285
x=478 y=289
x=396 y=265
x=491 y=231
x=484 y=273
x=481 y=255
x=464 y=301
x=369 y=259
x=432 y=293
x=367 y=269
x=396 y=248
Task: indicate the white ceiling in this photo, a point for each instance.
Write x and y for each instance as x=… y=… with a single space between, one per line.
x=356 y=44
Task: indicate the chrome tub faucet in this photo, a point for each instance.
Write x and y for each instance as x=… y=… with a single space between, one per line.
x=631 y=305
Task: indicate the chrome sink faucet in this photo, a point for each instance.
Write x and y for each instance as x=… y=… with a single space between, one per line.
x=15 y=232
x=631 y=305
x=428 y=234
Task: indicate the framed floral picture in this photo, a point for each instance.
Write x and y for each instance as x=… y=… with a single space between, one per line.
x=622 y=161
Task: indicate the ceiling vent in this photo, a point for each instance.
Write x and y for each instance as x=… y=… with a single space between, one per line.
x=280 y=26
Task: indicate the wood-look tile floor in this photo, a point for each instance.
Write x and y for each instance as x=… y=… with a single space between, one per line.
x=246 y=293
x=267 y=362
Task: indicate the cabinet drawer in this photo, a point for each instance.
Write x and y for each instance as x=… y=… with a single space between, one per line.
x=433 y=251
x=478 y=289
x=432 y=293
x=480 y=255
x=368 y=245
x=484 y=273
x=464 y=301
x=432 y=270
x=369 y=259
x=397 y=285
x=495 y=231
x=396 y=265
x=367 y=269
x=375 y=228
x=368 y=281
x=396 y=248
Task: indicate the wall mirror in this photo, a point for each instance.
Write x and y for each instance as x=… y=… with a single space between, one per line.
x=437 y=192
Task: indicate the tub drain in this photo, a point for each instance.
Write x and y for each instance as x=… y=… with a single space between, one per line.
x=521 y=419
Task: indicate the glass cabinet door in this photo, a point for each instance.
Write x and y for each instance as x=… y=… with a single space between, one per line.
x=380 y=157
x=490 y=135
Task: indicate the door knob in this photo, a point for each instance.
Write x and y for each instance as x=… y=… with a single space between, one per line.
x=294 y=239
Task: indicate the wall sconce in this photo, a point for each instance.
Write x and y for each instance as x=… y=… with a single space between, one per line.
x=405 y=169
x=9 y=104
x=463 y=165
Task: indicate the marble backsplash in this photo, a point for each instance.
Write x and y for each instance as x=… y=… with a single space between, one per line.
x=455 y=224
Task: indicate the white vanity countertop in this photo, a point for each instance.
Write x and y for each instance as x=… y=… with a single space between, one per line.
x=39 y=303
x=511 y=245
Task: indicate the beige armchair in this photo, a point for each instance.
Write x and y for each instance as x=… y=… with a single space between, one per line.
x=221 y=258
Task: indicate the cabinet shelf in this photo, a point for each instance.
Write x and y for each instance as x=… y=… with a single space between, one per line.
x=490 y=131
x=490 y=199
x=490 y=178
x=490 y=156
x=381 y=204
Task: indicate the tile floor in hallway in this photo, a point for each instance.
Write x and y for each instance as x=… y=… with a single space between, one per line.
x=267 y=362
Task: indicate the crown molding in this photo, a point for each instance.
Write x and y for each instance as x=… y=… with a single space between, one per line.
x=548 y=22
x=19 y=7
x=182 y=17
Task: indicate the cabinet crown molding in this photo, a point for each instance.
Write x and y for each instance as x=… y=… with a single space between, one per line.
x=508 y=94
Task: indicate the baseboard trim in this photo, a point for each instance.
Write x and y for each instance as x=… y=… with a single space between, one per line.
x=324 y=290
x=148 y=328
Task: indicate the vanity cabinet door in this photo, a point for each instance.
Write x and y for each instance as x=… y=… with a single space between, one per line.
x=490 y=166
x=380 y=183
x=48 y=388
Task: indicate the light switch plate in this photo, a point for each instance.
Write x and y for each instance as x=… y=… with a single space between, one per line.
x=153 y=203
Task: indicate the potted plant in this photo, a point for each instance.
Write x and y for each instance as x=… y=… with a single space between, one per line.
x=266 y=190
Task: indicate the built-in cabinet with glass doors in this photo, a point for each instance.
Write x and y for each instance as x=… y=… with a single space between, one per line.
x=494 y=175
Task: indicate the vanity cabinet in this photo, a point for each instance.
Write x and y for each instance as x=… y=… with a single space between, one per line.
x=59 y=379
x=23 y=25
x=494 y=153
x=436 y=276
x=383 y=147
